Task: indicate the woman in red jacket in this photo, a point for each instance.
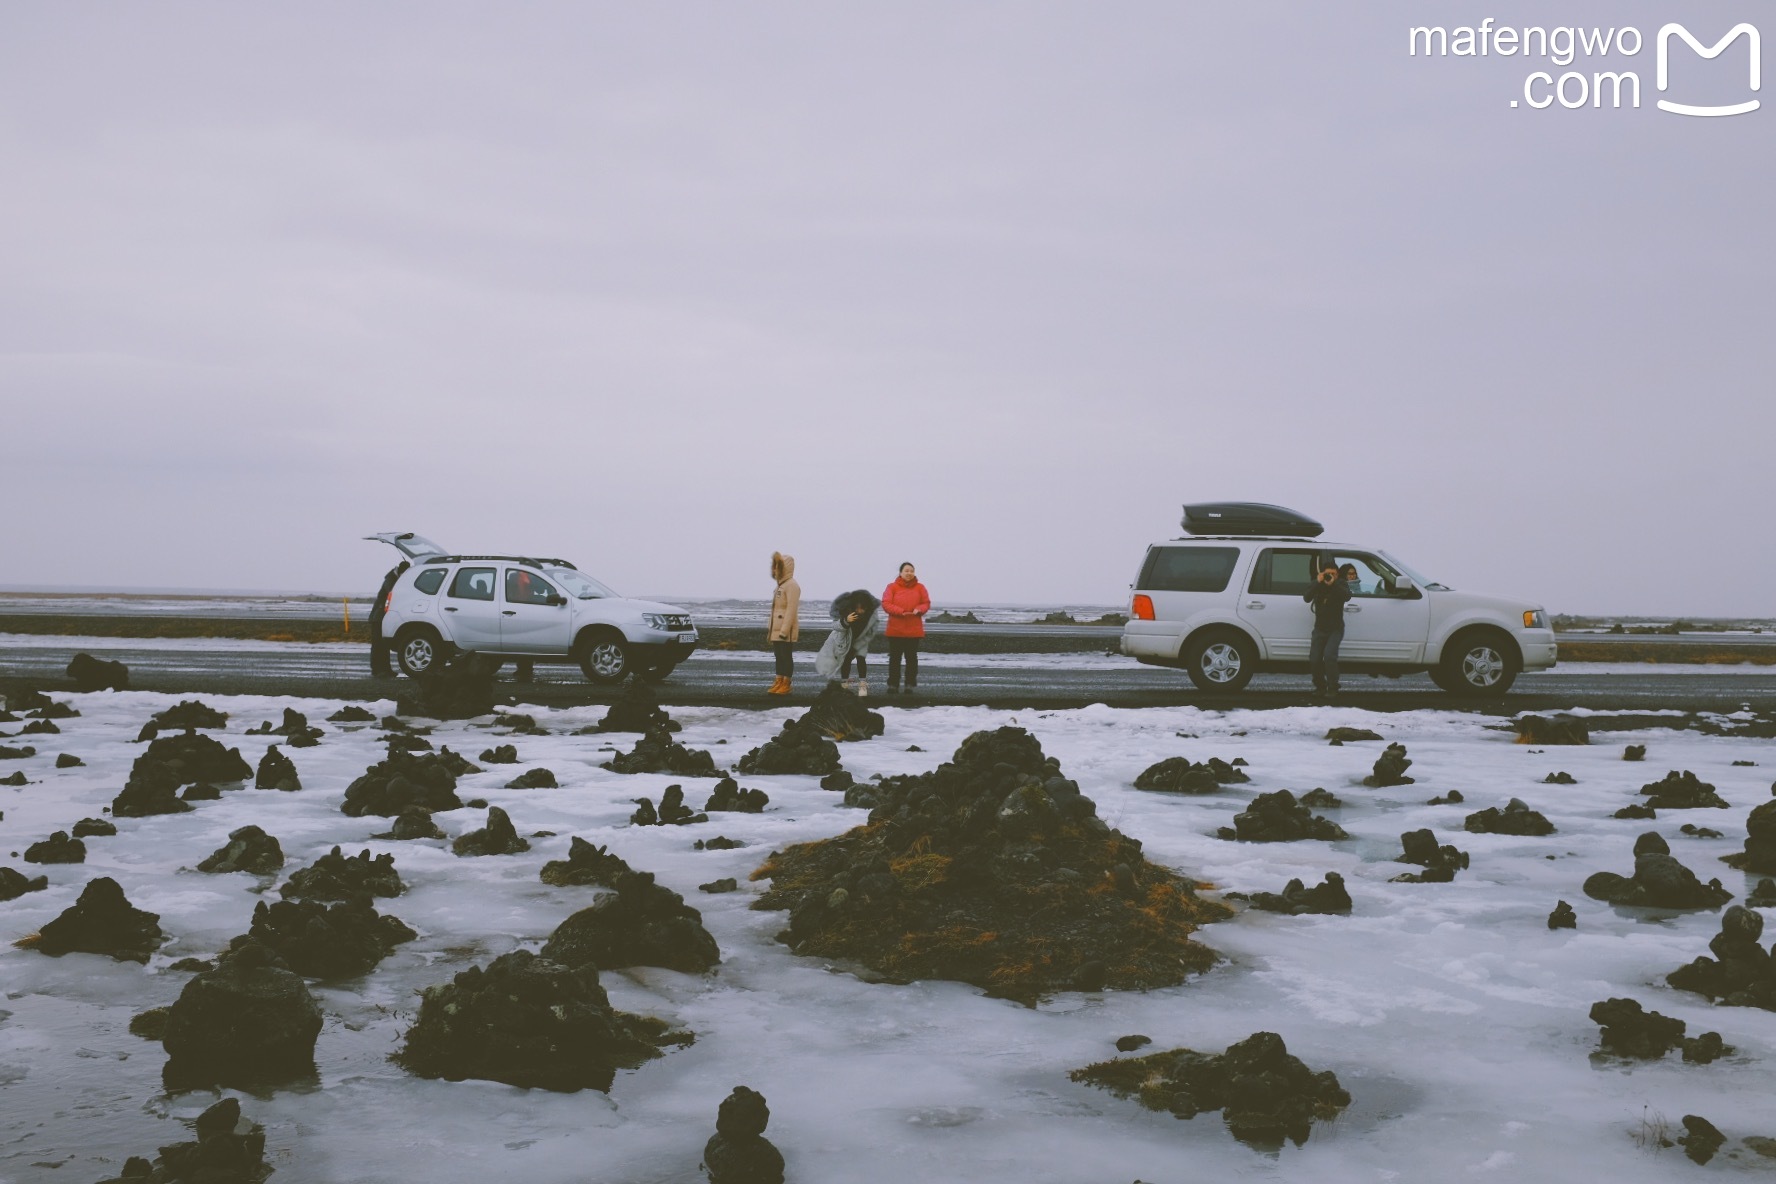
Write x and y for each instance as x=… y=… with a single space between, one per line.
x=906 y=602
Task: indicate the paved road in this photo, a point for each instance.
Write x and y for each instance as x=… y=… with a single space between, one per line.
x=1016 y=681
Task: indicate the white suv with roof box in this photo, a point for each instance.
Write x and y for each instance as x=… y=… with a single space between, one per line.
x=513 y=606
x=1226 y=603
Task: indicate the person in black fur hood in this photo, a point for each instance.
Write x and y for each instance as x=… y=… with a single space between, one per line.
x=857 y=619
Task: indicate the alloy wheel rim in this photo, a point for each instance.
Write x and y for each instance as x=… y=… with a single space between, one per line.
x=1482 y=666
x=607 y=659
x=419 y=653
x=1221 y=662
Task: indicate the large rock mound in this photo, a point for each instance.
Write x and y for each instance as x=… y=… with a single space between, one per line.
x=498 y=837
x=1264 y=1094
x=798 y=748
x=248 y=849
x=1279 y=818
x=671 y=811
x=14 y=883
x=57 y=848
x=340 y=877
x=586 y=865
x=641 y=924
x=1390 y=768
x=657 y=752
x=1515 y=819
x=1682 y=791
x=1630 y=1031
x=276 y=771
x=729 y=798
x=840 y=715
x=96 y=674
x=403 y=781
x=992 y=869
x=738 y=1152
x=249 y=1021
x=1440 y=862
x=637 y=709
x=1742 y=973
x=1759 y=855
x=102 y=921
x=1297 y=899
x=1176 y=774
x=1659 y=881
x=319 y=940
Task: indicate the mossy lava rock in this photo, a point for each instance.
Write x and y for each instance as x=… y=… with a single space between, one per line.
x=586 y=865
x=335 y=876
x=102 y=921
x=1264 y=1094
x=798 y=748
x=250 y=1020
x=840 y=715
x=529 y=1022
x=992 y=869
x=658 y=752
x=327 y=940
x=402 y=781
x=641 y=924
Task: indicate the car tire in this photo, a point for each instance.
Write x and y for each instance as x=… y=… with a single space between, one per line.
x=1221 y=661
x=604 y=658
x=1482 y=664
x=419 y=651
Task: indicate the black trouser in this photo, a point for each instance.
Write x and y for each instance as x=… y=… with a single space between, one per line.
x=845 y=667
x=379 y=649
x=785 y=662
x=909 y=646
x=1322 y=655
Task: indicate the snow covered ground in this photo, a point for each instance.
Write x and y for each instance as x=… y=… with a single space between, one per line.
x=1454 y=1017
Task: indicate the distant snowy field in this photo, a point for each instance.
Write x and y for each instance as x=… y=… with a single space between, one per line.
x=1454 y=1017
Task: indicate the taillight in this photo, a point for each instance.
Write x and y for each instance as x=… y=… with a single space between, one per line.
x=1142 y=608
x=388 y=603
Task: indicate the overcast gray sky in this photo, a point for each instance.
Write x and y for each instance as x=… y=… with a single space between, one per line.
x=991 y=287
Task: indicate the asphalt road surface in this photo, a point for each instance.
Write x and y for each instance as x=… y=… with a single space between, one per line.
x=1001 y=680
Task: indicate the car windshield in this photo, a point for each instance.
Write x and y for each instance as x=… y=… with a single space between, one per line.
x=1421 y=580
x=579 y=584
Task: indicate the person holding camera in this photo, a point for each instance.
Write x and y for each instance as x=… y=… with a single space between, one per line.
x=1328 y=595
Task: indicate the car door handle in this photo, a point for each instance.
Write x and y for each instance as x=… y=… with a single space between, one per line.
x=1255 y=604
x=1353 y=608
x=509 y=612
x=450 y=608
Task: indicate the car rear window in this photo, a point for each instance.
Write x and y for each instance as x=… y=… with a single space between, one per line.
x=1189 y=569
x=472 y=583
x=1283 y=573
x=430 y=581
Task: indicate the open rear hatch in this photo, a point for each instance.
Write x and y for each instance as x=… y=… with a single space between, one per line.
x=411 y=545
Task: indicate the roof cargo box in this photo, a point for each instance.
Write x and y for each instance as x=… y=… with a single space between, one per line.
x=1249 y=518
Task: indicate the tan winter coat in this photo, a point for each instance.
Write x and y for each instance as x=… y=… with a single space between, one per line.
x=786 y=602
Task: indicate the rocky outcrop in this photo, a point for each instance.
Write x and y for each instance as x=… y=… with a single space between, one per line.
x=14 y=884
x=94 y=828
x=228 y=1149
x=1440 y=862
x=1630 y=1031
x=671 y=812
x=250 y=1021
x=1742 y=973
x=67 y=760
x=248 y=849
x=102 y=921
x=1634 y=752
x=1549 y=730
x=1390 y=768
x=729 y=798
x=502 y=754
x=341 y=940
x=637 y=709
x=150 y=790
x=1279 y=818
x=462 y=689
x=992 y=869
x=295 y=728
x=1350 y=735
x=1265 y=1095
x=351 y=713
x=586 y=865
x=798 y=748
x=533 y=779
x=1659 y=881
x=173 y=761
x=1682 y=791
x=840 y=715
x=277 y=771
x=1176 y=774
x=340 y=877
x=88 y=673
x=657 y=752
x=1296 y=899
x=529 y=1022
x=402 y=782
x=641 y=924
x=1321 y=799
x=1515 y=819
x=187 y=715
x=498 y=837
x=57 y=848
x=1563 y=916
x=412 y=823
x=1560 y=778
x=738 y=1152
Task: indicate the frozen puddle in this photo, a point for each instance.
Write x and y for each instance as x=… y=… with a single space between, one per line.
x=1454 y=1017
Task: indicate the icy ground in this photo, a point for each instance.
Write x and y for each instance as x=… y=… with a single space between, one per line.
x=1455 y=1018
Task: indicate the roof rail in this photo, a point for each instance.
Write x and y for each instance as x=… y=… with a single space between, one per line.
x=524 y=559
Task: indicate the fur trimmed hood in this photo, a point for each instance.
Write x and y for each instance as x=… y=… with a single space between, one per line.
x=845 y=602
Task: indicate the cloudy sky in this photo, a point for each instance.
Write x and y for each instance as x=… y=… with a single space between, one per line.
x=992 y=287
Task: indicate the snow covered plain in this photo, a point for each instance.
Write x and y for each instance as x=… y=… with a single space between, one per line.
x=1454 y=1017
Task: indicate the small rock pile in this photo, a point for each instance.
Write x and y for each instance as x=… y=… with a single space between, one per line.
x=504 y=754
x=228 y=1150
x=186 y=716
x=1742 y=973
x=1630 y=1031
x=250 y=1021
x=671 y=812
x=738 y=1152
x=1296 y=899
x=1321 y=799
x=88 y=673
x=637 y=709
x=276 y=771
x=295 y=728
x=729 y=798
x=1682 y=791
x=14 y=884
x=1176 y=774
x=586 y=865
x=1515 y=819
x=840 y=715
x=170 y=762
x=1265 y=1095
x=1559 y=729
x=498 y=837
x=351 y=713
x=657 y=752
x=1279 y=818
x=1390 y=768
x=412 y=823
x=1563 y=916
x=57 y=848
x=1440 y=862
x=1634 y=752
x=401 y=782
x=642 y=923
x=534 y=779
x=248 y=849
x=1560 y=778
x=798 y=748
x=341 y=940
x=102 y=921
x=1659 y=881
x=1347 y=735
x=88 y=828
x=340 y=877
x=528 y=1022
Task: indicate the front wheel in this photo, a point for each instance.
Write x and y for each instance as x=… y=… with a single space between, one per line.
x=419 y=652
x=1480 y=664
x=1220 y=662
x=605 y=658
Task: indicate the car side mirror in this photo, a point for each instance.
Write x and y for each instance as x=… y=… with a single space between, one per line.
x=556 y=600
x=1403 y=584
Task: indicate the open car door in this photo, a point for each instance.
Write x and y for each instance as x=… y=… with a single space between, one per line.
x=413 y=546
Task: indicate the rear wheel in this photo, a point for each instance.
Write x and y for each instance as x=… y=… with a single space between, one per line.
x=419 y=651
x=604 y=657
x=1482 y=664
x=1222 y=661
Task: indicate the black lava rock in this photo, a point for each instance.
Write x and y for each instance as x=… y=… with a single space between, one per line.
x=1452 y=798
x=1682 y=791
x=1560 y=778
x=57 y=848
x=533 y=779
x=1321 y=799
x=840 y=715
x=462 y=689
x=95 y=674
x=1440 y=862
x=728 y=797
x=738 y=1152
x=295 y=728
x=657 y=752
x=228 y=1150
x=718 y=843
x=94 y=828
x=1759 y=855
x=277 y=771
x=1390 y=768
x=586 y=865
x=1297 y=899
x=1563 y=916
x=401 y=782
x=498 y=837
x=1177 y=774
x=1701 y=1139
x=1629 y=1031
x=1279 y=818
x=1634 y=752
x=641 y=924
x=637 y=709
x=504 y=754
x=730 y=884
x=351 y=713
x=341 y=940
x=102 y=921
x=14 y=884
x=248 y=849
x=250 y=1021
x=671 y=812
x=339 y=877
x=798 y=748
x=1348 y=735
x=1515 y=819
x=67 y=760
x=1559 y=729
x=1659 y=881
x=187 y=715
x=1742 y=973
x=412 y=823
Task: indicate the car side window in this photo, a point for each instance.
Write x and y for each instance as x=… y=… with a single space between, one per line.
x=1373 y=577
x=472 y=583
x=430 y=580
x=526 y=587
x=1189 y=569
x=1283 y=573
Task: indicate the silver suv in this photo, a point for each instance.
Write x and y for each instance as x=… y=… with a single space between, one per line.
x=516 y=606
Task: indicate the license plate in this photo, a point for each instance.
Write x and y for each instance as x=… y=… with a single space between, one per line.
x=688 y=638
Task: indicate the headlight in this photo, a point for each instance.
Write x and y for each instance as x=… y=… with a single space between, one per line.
x=1534 y=618
x=654 y=621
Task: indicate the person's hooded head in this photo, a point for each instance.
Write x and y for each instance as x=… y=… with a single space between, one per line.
x=782 y=566
x=853 y=609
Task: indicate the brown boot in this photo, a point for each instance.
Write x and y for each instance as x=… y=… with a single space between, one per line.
x=780 y=686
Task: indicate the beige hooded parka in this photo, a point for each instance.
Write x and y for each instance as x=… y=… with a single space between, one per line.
x=786 y=602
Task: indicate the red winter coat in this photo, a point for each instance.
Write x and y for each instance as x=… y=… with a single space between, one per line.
x=906 y=608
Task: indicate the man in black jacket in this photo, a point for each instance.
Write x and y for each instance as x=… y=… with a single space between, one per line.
x=1328 y=595
x=379 y=648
